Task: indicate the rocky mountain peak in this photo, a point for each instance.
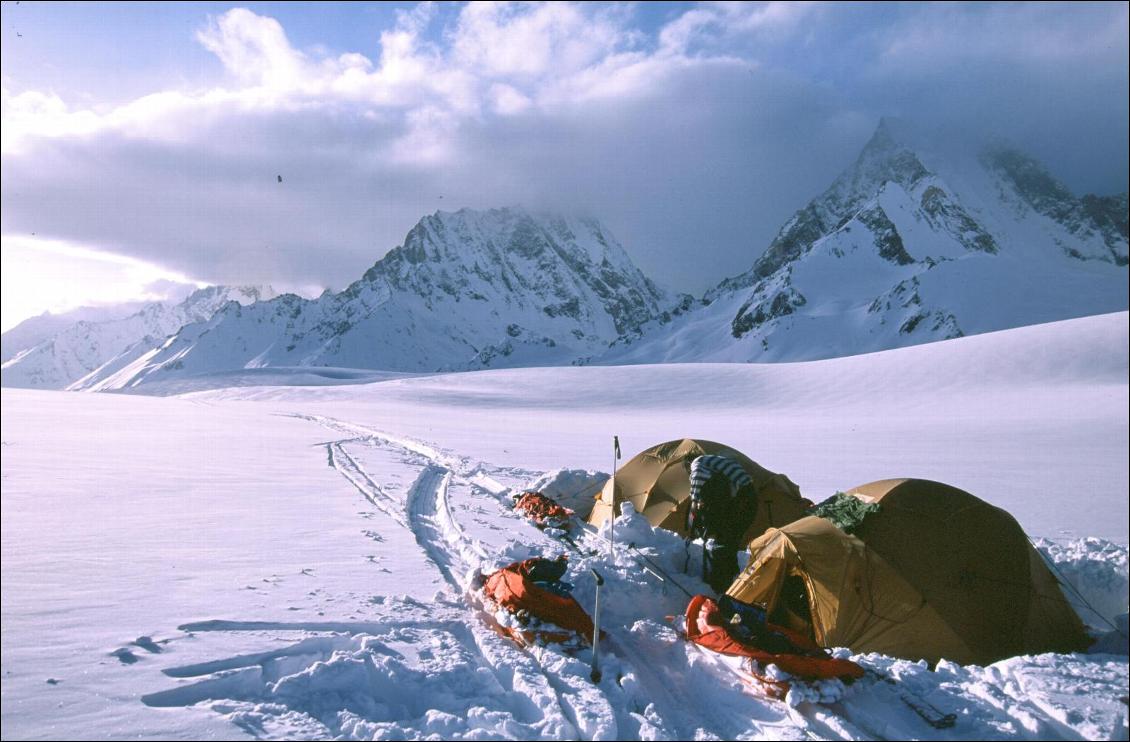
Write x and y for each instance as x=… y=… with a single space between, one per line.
x=923 y=237
x=514 y=256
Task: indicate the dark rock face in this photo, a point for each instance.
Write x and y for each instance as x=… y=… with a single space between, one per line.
x=943 y=210
x=887 y=238
x=782 y=304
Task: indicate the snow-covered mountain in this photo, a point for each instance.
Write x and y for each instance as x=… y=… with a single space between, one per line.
x=914 y=242
x=919 y=240
x=64 y=359
x=34 y=330
x=466 y=290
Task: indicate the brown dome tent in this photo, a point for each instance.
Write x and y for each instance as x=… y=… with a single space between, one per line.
x=931 y=572
x=657 y=484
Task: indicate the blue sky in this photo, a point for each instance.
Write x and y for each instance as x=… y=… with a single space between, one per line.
x=141 y=141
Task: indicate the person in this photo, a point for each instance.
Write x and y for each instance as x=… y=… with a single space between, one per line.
x=723 y=504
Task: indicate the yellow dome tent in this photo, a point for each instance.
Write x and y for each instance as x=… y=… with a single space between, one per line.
x=932 y=572
x=658 y=485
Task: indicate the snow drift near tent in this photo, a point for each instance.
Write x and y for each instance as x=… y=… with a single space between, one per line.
x=656 y=482
x=932 y=573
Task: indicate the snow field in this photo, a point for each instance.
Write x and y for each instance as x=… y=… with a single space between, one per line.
x=294 y=566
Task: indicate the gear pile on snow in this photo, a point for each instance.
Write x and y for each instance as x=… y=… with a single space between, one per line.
x=533 y=606
x=543 y=511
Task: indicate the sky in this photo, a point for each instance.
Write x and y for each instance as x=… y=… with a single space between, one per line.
x=141 y=143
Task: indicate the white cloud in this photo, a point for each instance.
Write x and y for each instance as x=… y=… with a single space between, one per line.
x=714 y=23
x=56 y=275
x=532 y=41
x=255 y=49
x=508 y=100
x=944 y=35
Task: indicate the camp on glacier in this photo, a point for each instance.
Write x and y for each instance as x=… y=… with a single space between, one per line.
x=565 y=371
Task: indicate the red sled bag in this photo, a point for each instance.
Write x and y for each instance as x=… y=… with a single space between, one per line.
x=806 y=660
x=540 y=615
x=543 y=511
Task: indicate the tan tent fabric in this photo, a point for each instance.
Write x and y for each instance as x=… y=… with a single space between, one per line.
x=935 y=573
x=657 y=484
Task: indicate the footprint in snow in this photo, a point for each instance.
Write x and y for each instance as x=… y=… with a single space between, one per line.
x=147 y=643
x=125 y=656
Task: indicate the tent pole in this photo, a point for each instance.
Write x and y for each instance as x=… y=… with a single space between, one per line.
x=612 y=522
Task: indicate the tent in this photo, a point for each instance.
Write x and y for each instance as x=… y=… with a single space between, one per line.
x=931 y=572
x=657 y=484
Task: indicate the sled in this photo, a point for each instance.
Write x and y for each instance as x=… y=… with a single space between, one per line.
x=533 y=611
x=707 y=629
x=543 y=511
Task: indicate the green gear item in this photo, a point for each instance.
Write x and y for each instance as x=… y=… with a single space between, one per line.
x=844 y=511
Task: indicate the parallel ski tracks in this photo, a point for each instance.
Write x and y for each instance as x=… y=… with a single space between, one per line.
x=445 y=543
x=348 y=467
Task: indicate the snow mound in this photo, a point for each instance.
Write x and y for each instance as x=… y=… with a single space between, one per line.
x=1115 y=641
x=1096 y=572
x=575 y=489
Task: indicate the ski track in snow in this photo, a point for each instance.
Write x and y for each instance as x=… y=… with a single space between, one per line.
x=446 y=544
x=348 y=467
x=360 y=679
x=558 y=703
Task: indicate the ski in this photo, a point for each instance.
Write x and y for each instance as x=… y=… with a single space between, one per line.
x=928 y=712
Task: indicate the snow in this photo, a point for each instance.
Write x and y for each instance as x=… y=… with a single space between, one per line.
x=289 y=561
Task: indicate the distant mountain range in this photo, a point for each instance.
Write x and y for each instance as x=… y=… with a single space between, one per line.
x=913 y=243
x=65 y=357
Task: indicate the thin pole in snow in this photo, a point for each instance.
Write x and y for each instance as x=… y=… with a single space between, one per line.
x=612 y=522
x=595 y=675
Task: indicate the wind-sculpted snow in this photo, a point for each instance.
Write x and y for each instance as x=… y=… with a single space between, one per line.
x=1097 y=577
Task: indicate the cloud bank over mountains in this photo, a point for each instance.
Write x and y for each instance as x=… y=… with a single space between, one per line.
x=691 y=131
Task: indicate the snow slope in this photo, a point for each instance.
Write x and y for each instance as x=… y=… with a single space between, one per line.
x=68 y=357
x=919 y=240
x=287 y=561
